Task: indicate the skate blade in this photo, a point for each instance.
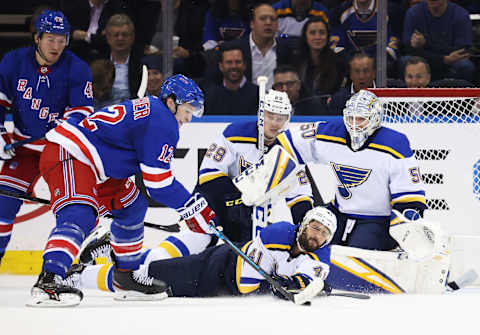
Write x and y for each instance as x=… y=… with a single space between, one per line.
x=138 y=296
x=66 y=300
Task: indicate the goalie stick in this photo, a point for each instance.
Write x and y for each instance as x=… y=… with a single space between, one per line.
x=174 y=228
x=260 y=213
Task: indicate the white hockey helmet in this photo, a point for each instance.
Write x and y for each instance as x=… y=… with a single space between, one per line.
x=362 y=115
x=322 y=215
x=278 y=103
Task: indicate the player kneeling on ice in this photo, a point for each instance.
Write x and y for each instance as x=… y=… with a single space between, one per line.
x=86 y=166
x=295 y=255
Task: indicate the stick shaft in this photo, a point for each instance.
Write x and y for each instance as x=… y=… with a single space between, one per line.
x=236 y=250
x=170 y=228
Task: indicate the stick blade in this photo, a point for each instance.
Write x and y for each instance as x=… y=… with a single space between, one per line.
x=311 y=291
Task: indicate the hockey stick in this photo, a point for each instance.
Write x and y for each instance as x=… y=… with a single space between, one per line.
x=142 y=89
x=302 y=298
x=174 y=228
x=260 y=213
x=344 y=294
x=22 y=142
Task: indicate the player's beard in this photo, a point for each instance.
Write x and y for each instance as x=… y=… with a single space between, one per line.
x=306 y=243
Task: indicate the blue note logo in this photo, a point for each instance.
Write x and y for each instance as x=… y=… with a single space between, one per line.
x=243 y=165
x=348 y=177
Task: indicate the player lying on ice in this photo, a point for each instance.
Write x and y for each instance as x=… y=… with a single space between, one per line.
x=294 y=252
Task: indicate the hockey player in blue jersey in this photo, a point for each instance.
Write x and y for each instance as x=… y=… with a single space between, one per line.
x=38 y=84
x=375 y=168
x=82 y=165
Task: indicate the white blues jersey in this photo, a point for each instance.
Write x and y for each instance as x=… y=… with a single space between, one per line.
x=235 y=151
x=370 y=181
x=271 y=251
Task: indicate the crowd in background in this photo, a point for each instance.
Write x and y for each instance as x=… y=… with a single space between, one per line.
x=319 y=52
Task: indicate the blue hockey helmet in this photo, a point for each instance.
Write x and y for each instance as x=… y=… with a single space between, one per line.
x=183 y=90
x=53 y=22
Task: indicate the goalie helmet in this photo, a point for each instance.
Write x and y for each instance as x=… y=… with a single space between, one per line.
x=322 y=215
x=52 y=22
x=183 y=90
x=278 y=103
x=362 y=115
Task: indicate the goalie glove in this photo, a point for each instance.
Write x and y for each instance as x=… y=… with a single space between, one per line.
x=4 y=140
x=197 y=214
x=420 y=239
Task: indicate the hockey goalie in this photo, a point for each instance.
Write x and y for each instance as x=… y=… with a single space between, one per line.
x=419 y=265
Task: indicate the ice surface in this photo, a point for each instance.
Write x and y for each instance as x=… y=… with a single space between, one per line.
x=452 y=314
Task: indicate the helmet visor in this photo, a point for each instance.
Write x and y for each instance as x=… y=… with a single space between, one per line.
x=194 y=107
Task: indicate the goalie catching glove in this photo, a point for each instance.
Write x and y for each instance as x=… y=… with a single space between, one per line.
x=421 y=239
x=197 y=214
x=4 y=140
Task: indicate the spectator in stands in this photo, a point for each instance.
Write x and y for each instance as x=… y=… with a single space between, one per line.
x=259 y=47
x=225 y=21
x=155 y=74
x=417 y=72
x=89 y=19
x=103 y=76
x=362 y=71
x=286 y=79
x=120 y=34
x=321 y=70
x=357 y=32
x=236 y=95
x=293 y=14
x=441 y=32
x=189 y=56
x=85 y=16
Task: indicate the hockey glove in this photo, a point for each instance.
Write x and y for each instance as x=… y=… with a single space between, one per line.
x=293 y=284
x=197 y=214
x=4 y=140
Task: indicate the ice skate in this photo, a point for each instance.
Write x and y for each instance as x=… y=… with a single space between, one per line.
x=50 y=292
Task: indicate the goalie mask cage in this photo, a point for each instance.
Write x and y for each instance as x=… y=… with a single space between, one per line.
x=443 y=127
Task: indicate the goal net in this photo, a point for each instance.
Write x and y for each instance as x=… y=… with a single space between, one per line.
x=443 y=128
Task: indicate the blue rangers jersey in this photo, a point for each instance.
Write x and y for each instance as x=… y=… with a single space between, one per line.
x=235 y=151
x=119 y=141
x=37 y=95
x=271 y=251
x=370 y=181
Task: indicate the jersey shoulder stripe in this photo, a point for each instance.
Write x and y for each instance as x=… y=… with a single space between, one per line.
x=332 y=131
x=279 y=235
x=391 y=142
x=241 y=132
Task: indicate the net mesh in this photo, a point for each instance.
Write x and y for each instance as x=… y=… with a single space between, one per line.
x=405 y=107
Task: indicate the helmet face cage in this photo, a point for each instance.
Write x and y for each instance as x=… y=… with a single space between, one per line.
x=277 y=102
x=322 y=215
x=52 y=22
x=184 y=91
x=362 y=115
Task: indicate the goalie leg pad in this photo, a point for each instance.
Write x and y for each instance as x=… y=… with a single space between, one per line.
x=372 y=271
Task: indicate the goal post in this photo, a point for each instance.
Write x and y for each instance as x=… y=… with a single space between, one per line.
x=443 y=126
